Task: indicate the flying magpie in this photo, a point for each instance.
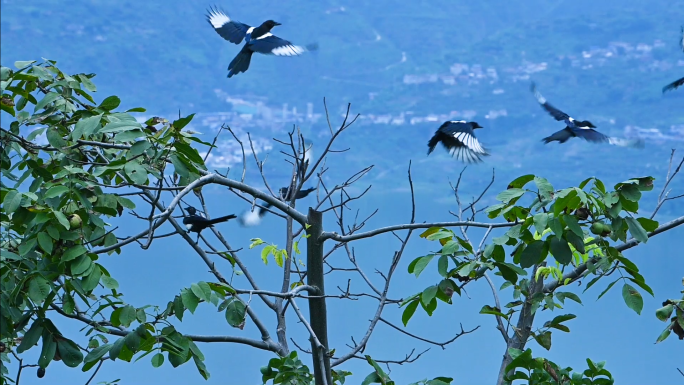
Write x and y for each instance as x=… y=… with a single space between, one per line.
x=458 y=137
x=196 y=223
x=253 y=218
x=578 y=128
x=257 y=39
x=677 y=83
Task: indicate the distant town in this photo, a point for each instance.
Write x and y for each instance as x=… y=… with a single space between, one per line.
x=254 y=114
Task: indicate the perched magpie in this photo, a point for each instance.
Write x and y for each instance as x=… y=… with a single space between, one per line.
x=253 y=218
x=257 y=39
x=284 y=193
x=196 y=223
x=578 y=128
x=677 y=83
x=458 y=137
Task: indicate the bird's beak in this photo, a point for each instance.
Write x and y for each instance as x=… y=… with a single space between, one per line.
x=276 y=23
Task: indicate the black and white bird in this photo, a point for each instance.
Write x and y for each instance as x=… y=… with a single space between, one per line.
x=578 y=128
x=196 y=223
x=252 y=218
x=285 y=193
x=458 y=137
x=257 y=39
x=680 y=82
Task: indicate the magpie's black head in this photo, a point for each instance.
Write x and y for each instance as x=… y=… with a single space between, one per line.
x=475 y=125
x=191 y=210
x=270 y=24
x=585 y=123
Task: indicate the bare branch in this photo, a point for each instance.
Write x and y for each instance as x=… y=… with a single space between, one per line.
x=500 y=326
x=410 y=226
x=440 y=344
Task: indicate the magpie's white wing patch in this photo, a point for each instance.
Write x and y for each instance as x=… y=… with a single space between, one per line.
x=231 y=30
x=273 y=45
x=470 y=142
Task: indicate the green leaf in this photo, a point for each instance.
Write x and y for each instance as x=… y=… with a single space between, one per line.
x=190 y=300
x=119 y=126
x=422 y=263
x=87 y=83
x=138 y=148
x=55 y=191
x=127 y=315
x=182 y=122
x=109 y=282
x=442 y=265
x=560 y=250
x=48 y=351
x=179 y=166
x=428 y=294
x=532 y=254
x=662 y=314
x=545 y=188
x=47 y=99
x=70 y=353
x=572 y=224
x=235 y=313
x=430 y=231
x=39 y=289
x=31 y=336
x=201 y=290
x=408 y=312
x=521 y=181
x=73 y=253
x=442 y=234
x=62 y=219
x=632 y=298
x=110 y=103
x=543 y=339
x=636 y=230
x=21 y=63
x=157 y=360
x=556 y=227
x=45 y=242
x=136 y=172
x=85 y=127
x=575 y=241
x=81 y=264
x=630 y=192
x=541 y=221
x=97 y=353
x=508 y=195
x=648 y=224
x=12 y=201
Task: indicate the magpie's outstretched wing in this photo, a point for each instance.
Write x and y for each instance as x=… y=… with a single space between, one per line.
x=674 y=85
x=590 y=135
x=556 y=113
x=231 y=30
x=270 y=44
x=459 y=139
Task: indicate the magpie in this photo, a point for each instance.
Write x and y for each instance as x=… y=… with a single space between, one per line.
x=677 y=83
x=284 y=193
x=257 y=39
x=196 y=223
x=458 y=137
x=253 y=218
x=578 y=128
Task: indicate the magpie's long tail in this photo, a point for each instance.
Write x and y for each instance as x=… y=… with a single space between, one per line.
x=432 y=143
x=222 y=219
x=240 y=63
x=305 y=192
